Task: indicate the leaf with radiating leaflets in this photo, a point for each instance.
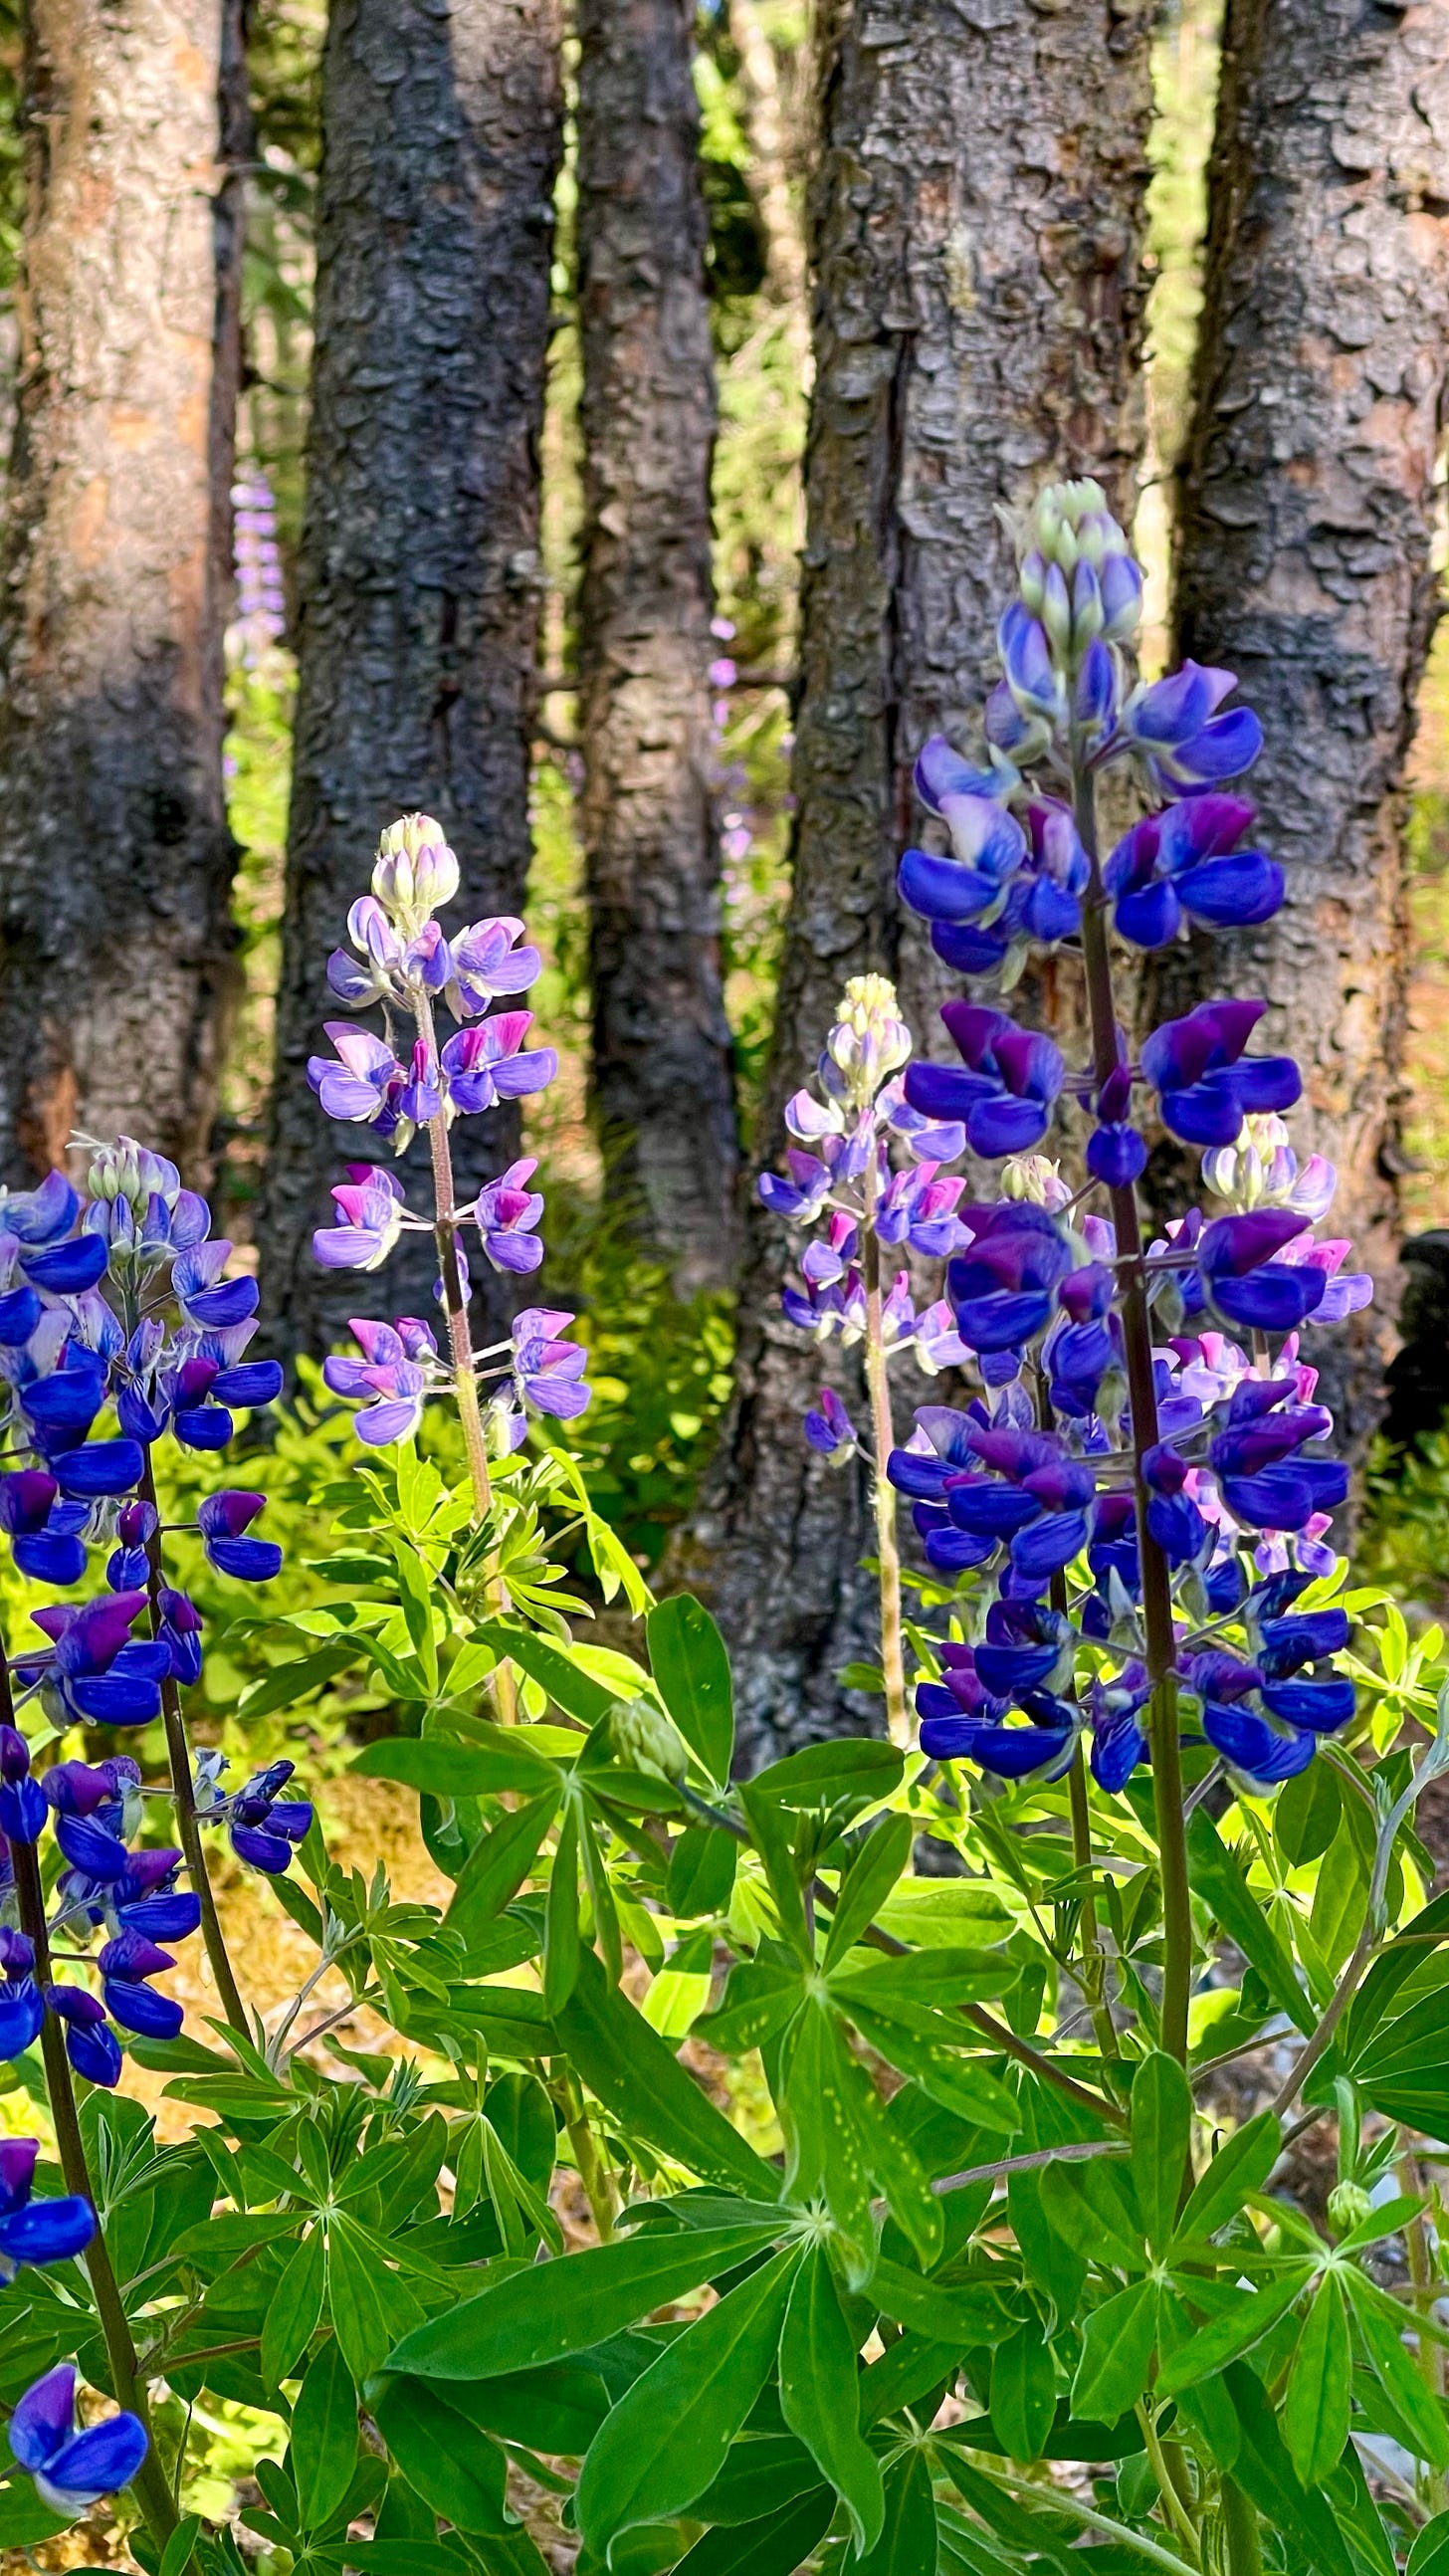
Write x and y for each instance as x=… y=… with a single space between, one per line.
x=1317 y=2403
x=691 y=1671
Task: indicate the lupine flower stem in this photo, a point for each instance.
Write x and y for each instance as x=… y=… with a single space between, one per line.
x=178 y=1755
x=1156 y=1579
x=898 y=1720
x=1093 y=1976
x=460 y=1340
x=127 y=2386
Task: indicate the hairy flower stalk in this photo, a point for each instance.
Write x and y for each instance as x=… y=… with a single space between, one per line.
x=883 y=1495
x=450 y=1272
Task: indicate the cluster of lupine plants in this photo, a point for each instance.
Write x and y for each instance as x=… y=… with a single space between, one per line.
x=698 y=2184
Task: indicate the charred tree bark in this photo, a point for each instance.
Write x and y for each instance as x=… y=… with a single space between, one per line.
x=115 y=858
x=1306 y=525
x=663 y=1085
x=419 y=580
x=976 y=222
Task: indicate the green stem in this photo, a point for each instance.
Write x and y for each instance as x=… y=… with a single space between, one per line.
x=1167 y=1788
x=1173 y=2503
x=594 y=2174
x=1093 y=1965
x=1241 y=2532
x=893 y=1668
x=178 y=1755
x=127 y=2386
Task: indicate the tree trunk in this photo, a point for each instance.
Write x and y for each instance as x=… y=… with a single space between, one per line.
x=115 y=859
x=663 y=1084
x=418 y=576
x=976 y=223
x=1306 y=525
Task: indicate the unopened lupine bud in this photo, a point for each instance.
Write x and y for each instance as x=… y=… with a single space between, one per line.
x=415 y=873
x=1056 y=609
x=1036 y=1178
x=1348 y=2205
x=869 y=1041
x=645 y=1739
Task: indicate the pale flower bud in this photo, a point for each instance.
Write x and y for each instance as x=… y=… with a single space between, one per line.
x=869 y=1041
x=648 y=1741
x=415 y=872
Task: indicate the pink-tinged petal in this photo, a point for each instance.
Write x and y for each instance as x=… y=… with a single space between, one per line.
x=380 y=1425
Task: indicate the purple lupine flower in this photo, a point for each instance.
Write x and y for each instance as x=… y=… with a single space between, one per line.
x=90 y=2043
x=371 y=1206
x=1006 y=1088
x=1258 y=1458
x=223 y=1520
x=548 y=1372
x=22 y=2012
x=45 y=1532
x=1206 y=1086
x=364 y=1084
x=489 y=1063
x=487 y=964
x=72 y=2471
x=1246 y=1283
x=507 y=1213
x=23 y=1808
x=829 y=1429
x=36 y=2231
x=1004 y=1286
x=393 y=1373
x=264 y=1827
x=205 y=1298
x=97 y=1673
x=1174 y=726
x=127 y=1964
x=1115 y=1715
x=1184 y=862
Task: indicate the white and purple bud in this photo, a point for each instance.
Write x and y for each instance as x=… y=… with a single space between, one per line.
x=1056 y=608
x=1036 y=1179
x=869 y=1041
x=415 y=872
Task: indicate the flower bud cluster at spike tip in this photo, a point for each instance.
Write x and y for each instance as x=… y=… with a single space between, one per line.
x=1026 y=1495
x=866 y=1162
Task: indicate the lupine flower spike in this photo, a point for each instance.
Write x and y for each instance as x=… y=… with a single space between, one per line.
x=1146 y=1415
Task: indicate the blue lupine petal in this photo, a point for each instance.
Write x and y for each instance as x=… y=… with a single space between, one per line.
x=101 y=1469
x=231 y=1301
x=1276 y=1298
x=89 y=1847
x=1233 y=893
x=137 y=2006
x=20 y=1312
x=1150 y=917
x=1000 y=1127
x=95 y=2053
x=943 y=889
x=115 y=1699
x=250 y=1382
x=67 y=1269
x=246 y=1560
x=1320 y=1706
x=203 y=1426
x=97 y=2463
x=23 y=1810
x=22 y=2015
x=41 y=2423
x=1251 y=1744
x=1049 y=1544
x=47 y=2231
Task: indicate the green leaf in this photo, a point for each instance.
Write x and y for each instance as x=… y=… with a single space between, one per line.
x=774 y=1843
x=1252 y=2315
x=24 y=2520
x=1240 y=2167
x=449 y=1768
x=1339 y=1898
x=925 y=1980
x=1216 y=1876
x=293 y=2311
x=908 y=2543
x=702 y=1869
x=1378 y=2326
x=760 y=1997
x=1023 y=2392
x=1306 y=1814
x=496 y=1869
x=1265 y=2472
x=455 y=2467
x=959 y=2316
x=561 y=1945
x=1316 y=2406
x=1161 y=2127
x=849 y=1766
x=942 y=2071
x=558 y=2410
x=1430 y=2553
x=176 y=2556
x=820 y=2395
x=601 y=1901
x=641 y=2084
x=776 y=2547
x=285 y=1684
x=880 y=1861
x=548 y=2310
x=369 y=2303
x=1116 y=2363
x=668 y=2437
x=567 y=1684
x=692 y=1671
x=1089 y=2209
x=324 y=2438
x=417 y=1605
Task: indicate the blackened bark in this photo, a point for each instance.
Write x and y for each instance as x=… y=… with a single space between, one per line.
x=115 y=859
x=663 y=1084
x=1304 y=556
x=418 y=577
x=976 y=224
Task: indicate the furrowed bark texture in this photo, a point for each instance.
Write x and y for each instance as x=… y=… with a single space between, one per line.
x=1307 y=519
x=419 y=580
x=663 y=1087
x=976 y=225
x=115 y=859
